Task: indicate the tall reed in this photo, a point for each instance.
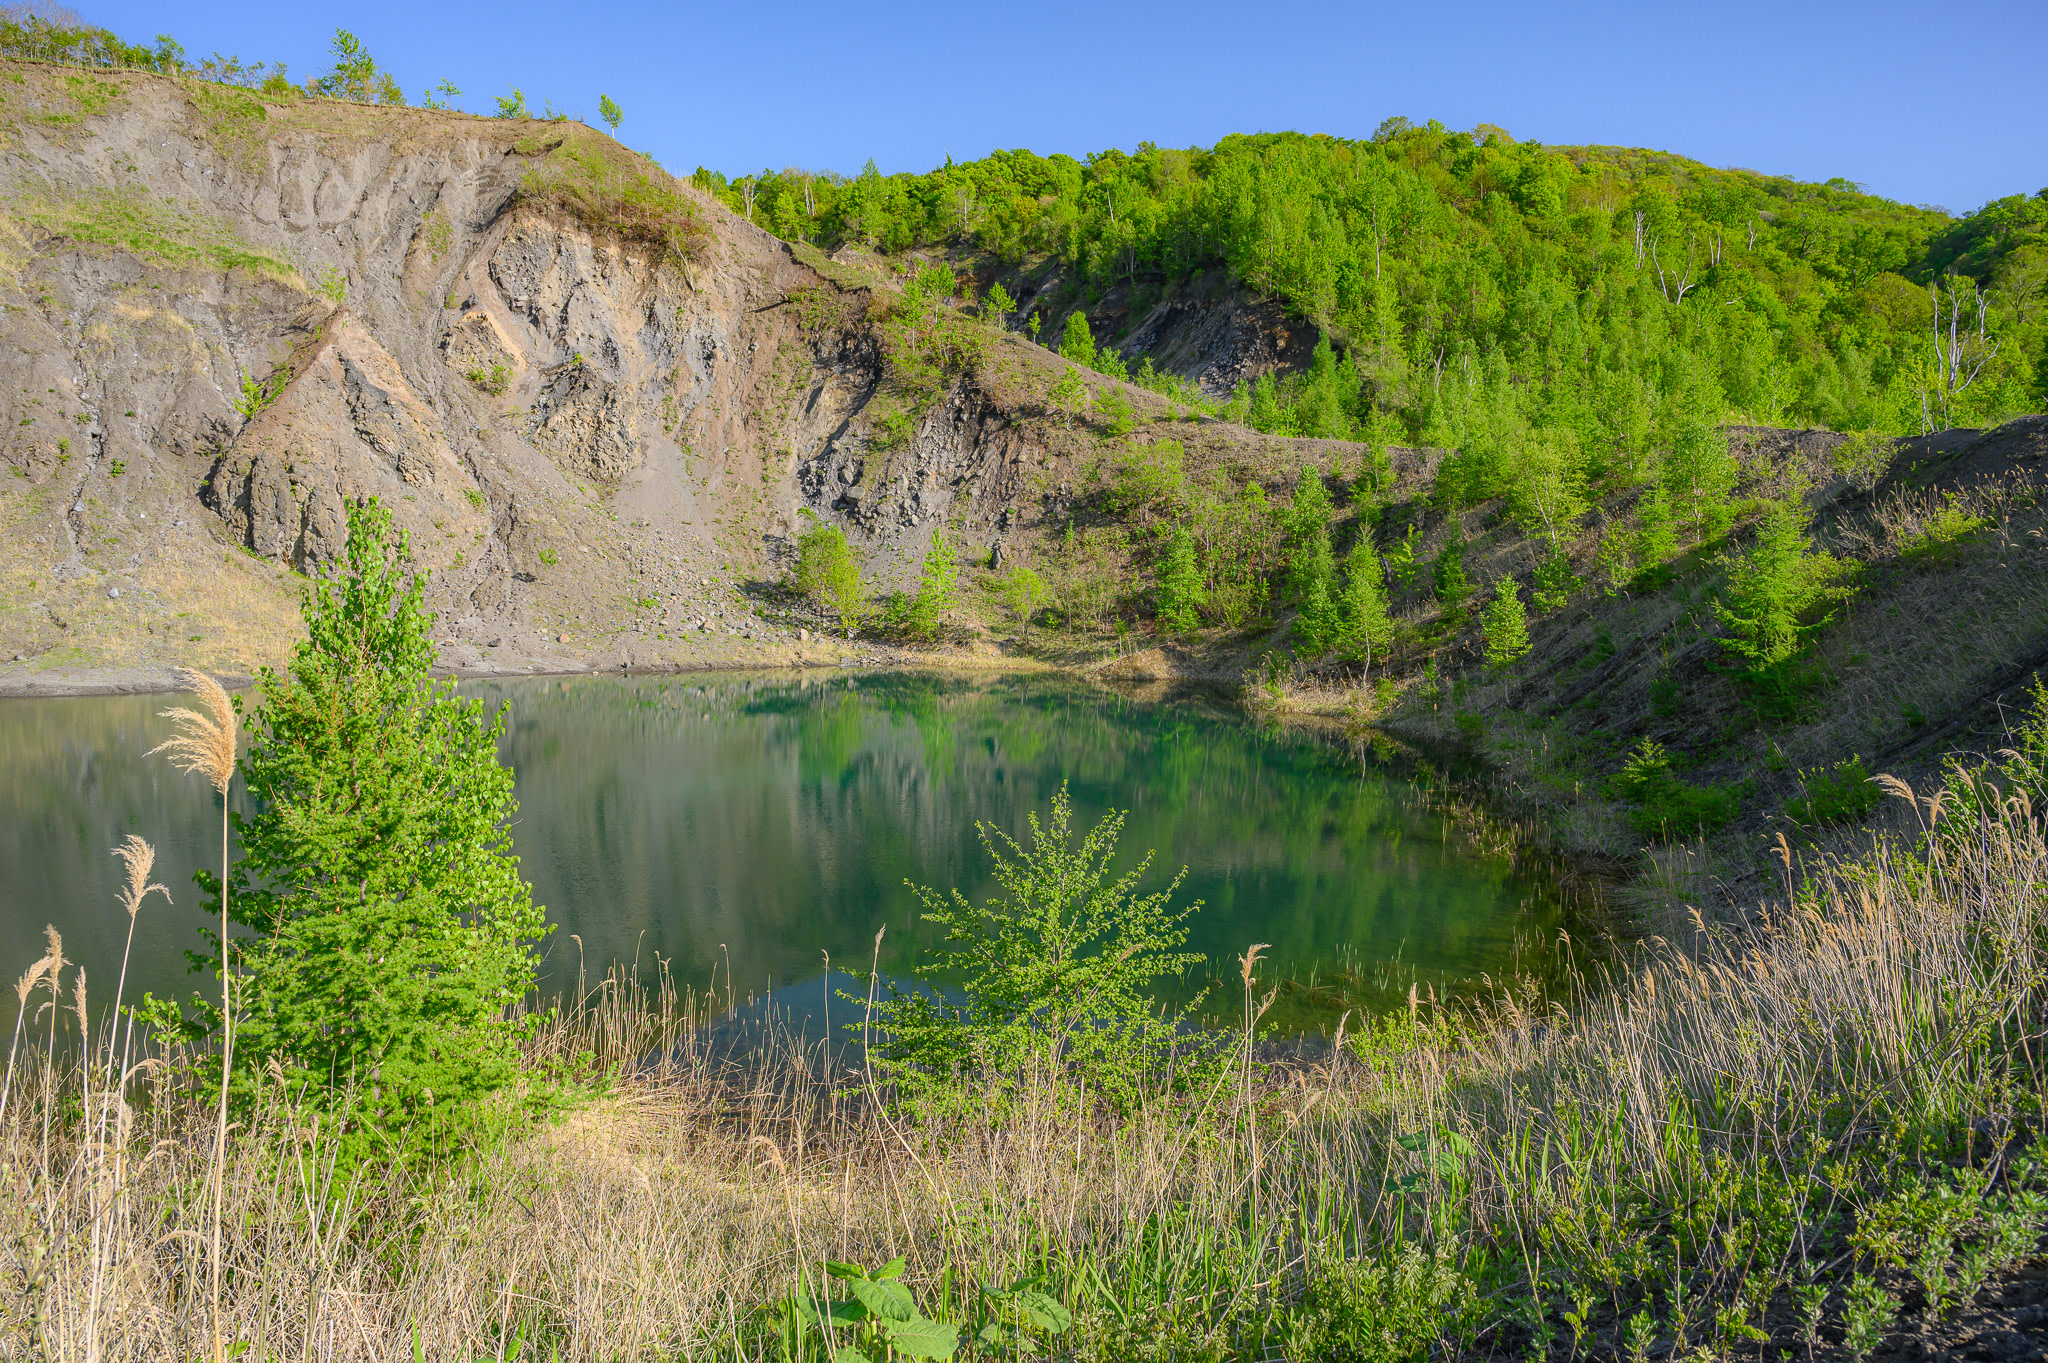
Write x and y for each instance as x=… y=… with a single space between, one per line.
x=204 y=742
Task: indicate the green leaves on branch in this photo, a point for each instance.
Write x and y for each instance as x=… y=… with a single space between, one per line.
x=878 y=1319
x=1181 y=592
x=1054 y=973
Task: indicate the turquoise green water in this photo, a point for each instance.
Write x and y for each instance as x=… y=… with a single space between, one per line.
x=755 y=825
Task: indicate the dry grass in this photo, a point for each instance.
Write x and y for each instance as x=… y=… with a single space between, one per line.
x=1892 y=994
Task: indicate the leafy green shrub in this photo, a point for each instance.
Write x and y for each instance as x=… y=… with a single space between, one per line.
x=390 y=933
x=877 y=1320
x=1942 y=536
x=1390 y=1310
x=1146 y=477
x=257 y=397
x=1118 y=416
x=1863 y=457
x=1052 y=977
x=1843 y=792
x=494 y=380
x=1666 y=807
x=1181 y=591
x=1022 y=591
x=828 y=573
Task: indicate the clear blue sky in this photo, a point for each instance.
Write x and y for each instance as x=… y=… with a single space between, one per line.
x=1926 y=103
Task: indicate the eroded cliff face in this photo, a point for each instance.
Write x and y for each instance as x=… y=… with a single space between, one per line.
x=223 y=324
x=226 y=319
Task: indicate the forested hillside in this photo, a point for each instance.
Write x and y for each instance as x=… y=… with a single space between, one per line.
x=1476 y=288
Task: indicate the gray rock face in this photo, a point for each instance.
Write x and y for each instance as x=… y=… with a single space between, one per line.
x=347 y=302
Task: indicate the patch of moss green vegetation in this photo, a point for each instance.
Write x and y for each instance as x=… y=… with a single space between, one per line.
x=609 y=188
x=234 y=119
x=176 y=234
x=93 y=97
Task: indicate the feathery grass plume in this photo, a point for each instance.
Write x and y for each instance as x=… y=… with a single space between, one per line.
x=140 y=859
x=53 y=980
x=205 y=742
x=23 y=987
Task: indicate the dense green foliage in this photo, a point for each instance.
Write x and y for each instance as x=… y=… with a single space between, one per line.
x=1665 y=807
x=390 y=930
x=829 y=575
x=1506 y=624
x=1480 y=287
x=1053 y=975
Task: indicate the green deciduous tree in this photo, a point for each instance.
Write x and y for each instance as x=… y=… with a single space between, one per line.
x=356 y=75
x=1077 y=343
x=608 y=109
x=1548 y=487
x=1181 y=592
x=1054 y=973
x=390 y=932
x=1506 y=624
x=828 y=573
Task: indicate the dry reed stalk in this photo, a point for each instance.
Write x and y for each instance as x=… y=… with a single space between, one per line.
x=139 y=859
x=204 y=742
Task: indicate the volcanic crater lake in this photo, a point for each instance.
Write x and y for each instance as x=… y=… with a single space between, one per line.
x=751 y=827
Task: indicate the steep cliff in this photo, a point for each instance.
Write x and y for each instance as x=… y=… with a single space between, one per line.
x=597 y=400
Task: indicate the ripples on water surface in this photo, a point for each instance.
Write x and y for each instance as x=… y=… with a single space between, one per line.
x=751 y=823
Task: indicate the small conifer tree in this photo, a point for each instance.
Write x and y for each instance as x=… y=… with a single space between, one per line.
x=1180 y=584
x=936 y=583
x=997 y=304
x=1771 y=587
x=1069 y=396
x=1656 y=537
x=1364 y=626
x=1447 y=575
x=1506 y=624
x=390 y=932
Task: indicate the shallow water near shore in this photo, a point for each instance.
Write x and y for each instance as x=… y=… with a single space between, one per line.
x=745 y=829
